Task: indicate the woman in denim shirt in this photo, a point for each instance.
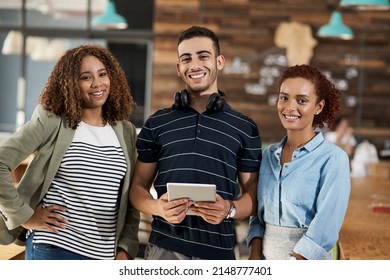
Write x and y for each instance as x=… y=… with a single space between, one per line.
x=304 y=181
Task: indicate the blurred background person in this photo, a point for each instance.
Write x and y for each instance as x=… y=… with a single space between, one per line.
x=342 y=135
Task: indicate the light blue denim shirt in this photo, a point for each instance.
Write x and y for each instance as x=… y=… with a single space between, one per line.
x=311 y=191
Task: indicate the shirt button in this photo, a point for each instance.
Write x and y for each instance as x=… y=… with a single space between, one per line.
x=198 y=130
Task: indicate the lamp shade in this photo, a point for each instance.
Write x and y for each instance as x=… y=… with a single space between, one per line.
x=110 y=19
x=366 y=4
x=335 y=28
x=13 y=43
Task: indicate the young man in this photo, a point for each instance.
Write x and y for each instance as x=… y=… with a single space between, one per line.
x=200 y=139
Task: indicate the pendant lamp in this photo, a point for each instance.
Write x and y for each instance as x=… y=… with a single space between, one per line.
x=366 y=4
x=13 y=43
x=110 y=19
x=335 y=28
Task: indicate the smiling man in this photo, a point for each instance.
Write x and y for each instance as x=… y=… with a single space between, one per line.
x=200 y=139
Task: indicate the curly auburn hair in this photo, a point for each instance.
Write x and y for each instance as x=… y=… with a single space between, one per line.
x=61 y=94
x=324 y=89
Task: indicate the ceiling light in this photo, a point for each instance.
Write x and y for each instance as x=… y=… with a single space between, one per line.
x=39 y=47
x=42 y=49
x=366 y=4
x=56 y=49
x=335 y=28
x=13 y=43
x=110 y=19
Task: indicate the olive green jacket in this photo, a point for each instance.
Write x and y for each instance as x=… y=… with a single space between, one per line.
x=48 y=137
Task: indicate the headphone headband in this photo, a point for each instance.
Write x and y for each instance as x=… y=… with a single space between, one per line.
x=215 y=102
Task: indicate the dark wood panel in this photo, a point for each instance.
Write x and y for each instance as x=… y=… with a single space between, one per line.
x=247 y=28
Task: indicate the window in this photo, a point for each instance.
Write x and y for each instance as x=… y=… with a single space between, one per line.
x=65 y=25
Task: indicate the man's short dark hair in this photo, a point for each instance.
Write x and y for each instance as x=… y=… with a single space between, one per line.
x=199 y=31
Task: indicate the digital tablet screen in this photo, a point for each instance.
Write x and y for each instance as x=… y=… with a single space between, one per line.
x=192 y=191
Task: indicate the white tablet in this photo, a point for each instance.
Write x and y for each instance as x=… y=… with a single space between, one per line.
x=192 y=191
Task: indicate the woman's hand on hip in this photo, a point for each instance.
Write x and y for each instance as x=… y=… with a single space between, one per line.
x=47 y=218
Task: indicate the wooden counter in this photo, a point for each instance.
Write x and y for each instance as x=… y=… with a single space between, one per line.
x=19 y=171
x=365 y=234
x=11 y=252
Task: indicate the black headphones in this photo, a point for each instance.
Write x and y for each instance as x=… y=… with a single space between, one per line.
x=215 y=102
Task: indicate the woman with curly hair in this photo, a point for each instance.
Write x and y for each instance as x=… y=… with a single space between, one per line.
x=72 y=202
x=304 y=180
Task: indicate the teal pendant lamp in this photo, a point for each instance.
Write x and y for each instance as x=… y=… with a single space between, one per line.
x=110 y=19
x=366 y=4
x=335 y=28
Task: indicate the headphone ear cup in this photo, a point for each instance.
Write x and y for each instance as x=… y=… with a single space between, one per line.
x=216 y=102
x=180 y=100
x=184 y=99
x=177 y=101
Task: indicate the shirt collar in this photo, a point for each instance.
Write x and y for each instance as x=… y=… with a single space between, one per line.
x=315 y=142
x=311 y=145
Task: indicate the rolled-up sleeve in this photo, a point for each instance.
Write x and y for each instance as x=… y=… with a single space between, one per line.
x=332 y=202
x=256 y=229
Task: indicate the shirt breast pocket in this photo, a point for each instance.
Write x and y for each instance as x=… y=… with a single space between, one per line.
x=301 y=189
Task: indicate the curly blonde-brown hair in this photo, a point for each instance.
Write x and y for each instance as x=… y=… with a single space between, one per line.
x=324 y=89
x=61 y=94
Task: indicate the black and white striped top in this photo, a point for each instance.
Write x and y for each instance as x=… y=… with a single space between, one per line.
x=87 y=184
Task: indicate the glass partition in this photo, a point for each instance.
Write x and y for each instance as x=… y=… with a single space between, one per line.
x=34 y=33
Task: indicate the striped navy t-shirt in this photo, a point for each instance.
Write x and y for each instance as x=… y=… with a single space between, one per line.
x=87 y=184
x=209 y=148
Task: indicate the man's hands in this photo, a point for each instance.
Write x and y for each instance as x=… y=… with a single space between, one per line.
x=175 y=211
x=212 y=212
x=45 y=218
